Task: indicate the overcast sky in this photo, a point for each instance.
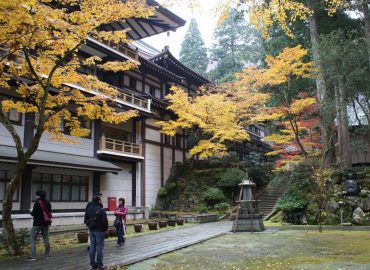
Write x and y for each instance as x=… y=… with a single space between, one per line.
x=206 y=22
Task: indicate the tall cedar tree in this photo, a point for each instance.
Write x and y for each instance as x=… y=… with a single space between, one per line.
x=193 y=52
x=236 y=44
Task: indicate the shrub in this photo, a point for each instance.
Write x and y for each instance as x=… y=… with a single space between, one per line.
x=201 y=208
x=222 y=208
x=22 y=235
x=213 y=196
x=231 y=177
x=293 y=207
x=162 y=192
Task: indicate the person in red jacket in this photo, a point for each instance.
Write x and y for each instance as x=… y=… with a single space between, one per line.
x=120 y=222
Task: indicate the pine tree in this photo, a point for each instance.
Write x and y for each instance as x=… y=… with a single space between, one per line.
x=193 y=52
x=236 y=45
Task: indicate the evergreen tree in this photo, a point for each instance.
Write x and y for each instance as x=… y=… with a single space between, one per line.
x=193 y=52
x=237 y=44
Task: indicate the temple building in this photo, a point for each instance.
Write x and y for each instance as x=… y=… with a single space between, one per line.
x=130 y=160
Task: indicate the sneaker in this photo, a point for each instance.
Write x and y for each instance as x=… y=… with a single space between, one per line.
x=31 y=259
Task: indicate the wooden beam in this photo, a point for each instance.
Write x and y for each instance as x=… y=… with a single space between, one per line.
x=143 y=164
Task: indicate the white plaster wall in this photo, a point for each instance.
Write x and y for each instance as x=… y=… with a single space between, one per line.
x=178 y=156
x=6 y=138
x=152 y=134
x=152 y=173
x=83 y=147
x=117 y=185
x=167 y=162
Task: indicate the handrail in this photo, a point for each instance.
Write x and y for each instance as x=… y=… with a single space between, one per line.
x=119 y=146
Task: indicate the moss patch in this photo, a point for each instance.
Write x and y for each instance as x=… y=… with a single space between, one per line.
x=284 y=250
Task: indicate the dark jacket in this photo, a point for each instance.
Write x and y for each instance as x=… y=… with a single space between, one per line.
x=94 y=210
x=38 y=217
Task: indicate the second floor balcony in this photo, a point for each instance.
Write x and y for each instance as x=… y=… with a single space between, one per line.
x=114 y=147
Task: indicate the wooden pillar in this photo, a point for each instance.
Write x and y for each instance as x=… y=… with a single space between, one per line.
x=143 y=83
x=26 y=187
x=143 y=164
x=134 y=121
x=133 y=170
x=98 y=131
x=29 y=127
x=162 y=160
x=183 y=145
x=96 y=182
x=173 y=150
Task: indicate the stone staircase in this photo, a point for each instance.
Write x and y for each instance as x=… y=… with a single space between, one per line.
x=265 y=206
x=267 y=201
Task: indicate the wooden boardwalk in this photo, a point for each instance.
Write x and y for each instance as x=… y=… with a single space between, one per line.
x=136 y=249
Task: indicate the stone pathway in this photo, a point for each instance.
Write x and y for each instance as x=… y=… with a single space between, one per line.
x=136 y=249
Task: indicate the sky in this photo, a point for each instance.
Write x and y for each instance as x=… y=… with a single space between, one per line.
x=206 y=22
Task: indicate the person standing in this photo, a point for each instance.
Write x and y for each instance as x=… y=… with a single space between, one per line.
x=97 y=221
x=97 y=194
x=40 y=208
x=120 y=221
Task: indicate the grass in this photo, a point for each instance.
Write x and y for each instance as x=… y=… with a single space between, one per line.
x=282 y=250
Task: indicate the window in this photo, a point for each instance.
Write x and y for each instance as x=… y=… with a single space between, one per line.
x=167 y=139
x=5 y=177
x=13 y=115
x=178 y=141
x=132 y=83
x=87 y=70
x=152 y=90
x=61 y=188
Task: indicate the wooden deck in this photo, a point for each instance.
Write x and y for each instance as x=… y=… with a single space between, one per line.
x=136 y=249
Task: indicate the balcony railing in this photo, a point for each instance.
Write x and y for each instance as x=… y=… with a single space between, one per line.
x=119 y=147
x=124 y=97
x=130 y=53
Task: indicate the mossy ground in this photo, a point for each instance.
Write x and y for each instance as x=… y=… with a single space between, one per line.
x=283 y=250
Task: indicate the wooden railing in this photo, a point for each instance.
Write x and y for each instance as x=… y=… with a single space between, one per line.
x=133 y=99
x=133 y=54
x=121 y=147
x=123 y=96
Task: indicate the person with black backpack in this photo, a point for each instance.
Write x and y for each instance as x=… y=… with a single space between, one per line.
x=41 y=213
x=97 y=222
x=99 y=194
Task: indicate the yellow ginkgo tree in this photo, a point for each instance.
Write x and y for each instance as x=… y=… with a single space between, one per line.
x=39 y=67
x=212 y=116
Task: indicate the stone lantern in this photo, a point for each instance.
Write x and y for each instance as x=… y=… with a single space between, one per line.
x=247 y=217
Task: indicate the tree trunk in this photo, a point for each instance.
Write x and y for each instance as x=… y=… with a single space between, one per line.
x=9 y=231
x=326 y=115
x=340 y=132
x=365 y=11
x=347 y=158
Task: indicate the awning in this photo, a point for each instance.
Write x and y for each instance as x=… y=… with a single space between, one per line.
x=52 y=159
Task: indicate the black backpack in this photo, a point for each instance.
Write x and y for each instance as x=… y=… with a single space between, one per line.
x=91 y=223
